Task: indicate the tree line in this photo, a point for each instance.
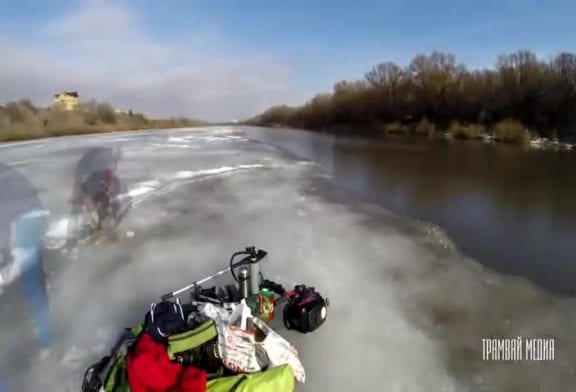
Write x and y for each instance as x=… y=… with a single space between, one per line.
x=522 y=96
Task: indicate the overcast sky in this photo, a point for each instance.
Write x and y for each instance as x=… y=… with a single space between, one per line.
x=228 y=59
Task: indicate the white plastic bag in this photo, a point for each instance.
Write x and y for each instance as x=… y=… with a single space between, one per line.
x=236 y=344
x=239 y=348
x=279 y=350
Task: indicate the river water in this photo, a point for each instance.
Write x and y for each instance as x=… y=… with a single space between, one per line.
x=512 y=209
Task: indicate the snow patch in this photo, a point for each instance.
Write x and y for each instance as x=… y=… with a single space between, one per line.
x=140 y=191
x=220 y=170
x=177 y=139
x=59 y=229
x=150 y=184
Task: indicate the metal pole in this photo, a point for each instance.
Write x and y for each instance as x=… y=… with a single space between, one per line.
x=183 y=289
x=254 y=268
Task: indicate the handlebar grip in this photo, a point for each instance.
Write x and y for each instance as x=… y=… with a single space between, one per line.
x=167 y=296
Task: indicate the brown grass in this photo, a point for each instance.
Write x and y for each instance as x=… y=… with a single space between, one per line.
x=394 y=127
x=511 y=131
x=472 y=131
x=22 y=121
x=425 y=128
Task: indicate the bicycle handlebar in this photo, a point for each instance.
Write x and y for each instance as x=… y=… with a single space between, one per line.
x=252 y=256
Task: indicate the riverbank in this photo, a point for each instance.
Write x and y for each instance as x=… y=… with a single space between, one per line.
x=456 y=132
x=523 y=98
x=23 y=121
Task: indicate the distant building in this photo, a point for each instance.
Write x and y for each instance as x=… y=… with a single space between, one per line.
x=67 y=100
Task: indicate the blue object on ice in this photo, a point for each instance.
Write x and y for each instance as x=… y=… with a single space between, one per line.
x=22 y=224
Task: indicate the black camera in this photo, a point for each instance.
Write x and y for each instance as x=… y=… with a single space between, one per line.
x=306 y=310
x=205 y=356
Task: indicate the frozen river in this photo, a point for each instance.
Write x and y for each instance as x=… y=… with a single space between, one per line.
x=408 y=310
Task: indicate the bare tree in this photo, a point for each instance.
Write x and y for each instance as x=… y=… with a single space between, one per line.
x=539 y=94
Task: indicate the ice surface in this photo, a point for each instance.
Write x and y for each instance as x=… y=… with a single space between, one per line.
x=139 y=191
x=407 y=313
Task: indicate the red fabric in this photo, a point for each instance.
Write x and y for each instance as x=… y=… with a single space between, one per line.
x=150 y=370
x=105 y=182
x=192 y=380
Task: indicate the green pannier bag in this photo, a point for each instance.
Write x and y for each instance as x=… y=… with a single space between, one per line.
x=278 y=379
x=116 y=379
x=109 y=374
x=192 y=339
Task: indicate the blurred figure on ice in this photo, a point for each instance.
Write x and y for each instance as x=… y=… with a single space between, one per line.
x=22 y=226
x=97 y=189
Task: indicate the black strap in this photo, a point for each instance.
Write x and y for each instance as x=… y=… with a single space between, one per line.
x=237 y=383
x=92 y=381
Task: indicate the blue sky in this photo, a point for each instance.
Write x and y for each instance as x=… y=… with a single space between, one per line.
x=222 y=59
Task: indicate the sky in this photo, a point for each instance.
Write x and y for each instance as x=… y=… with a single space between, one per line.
x=221 y=60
